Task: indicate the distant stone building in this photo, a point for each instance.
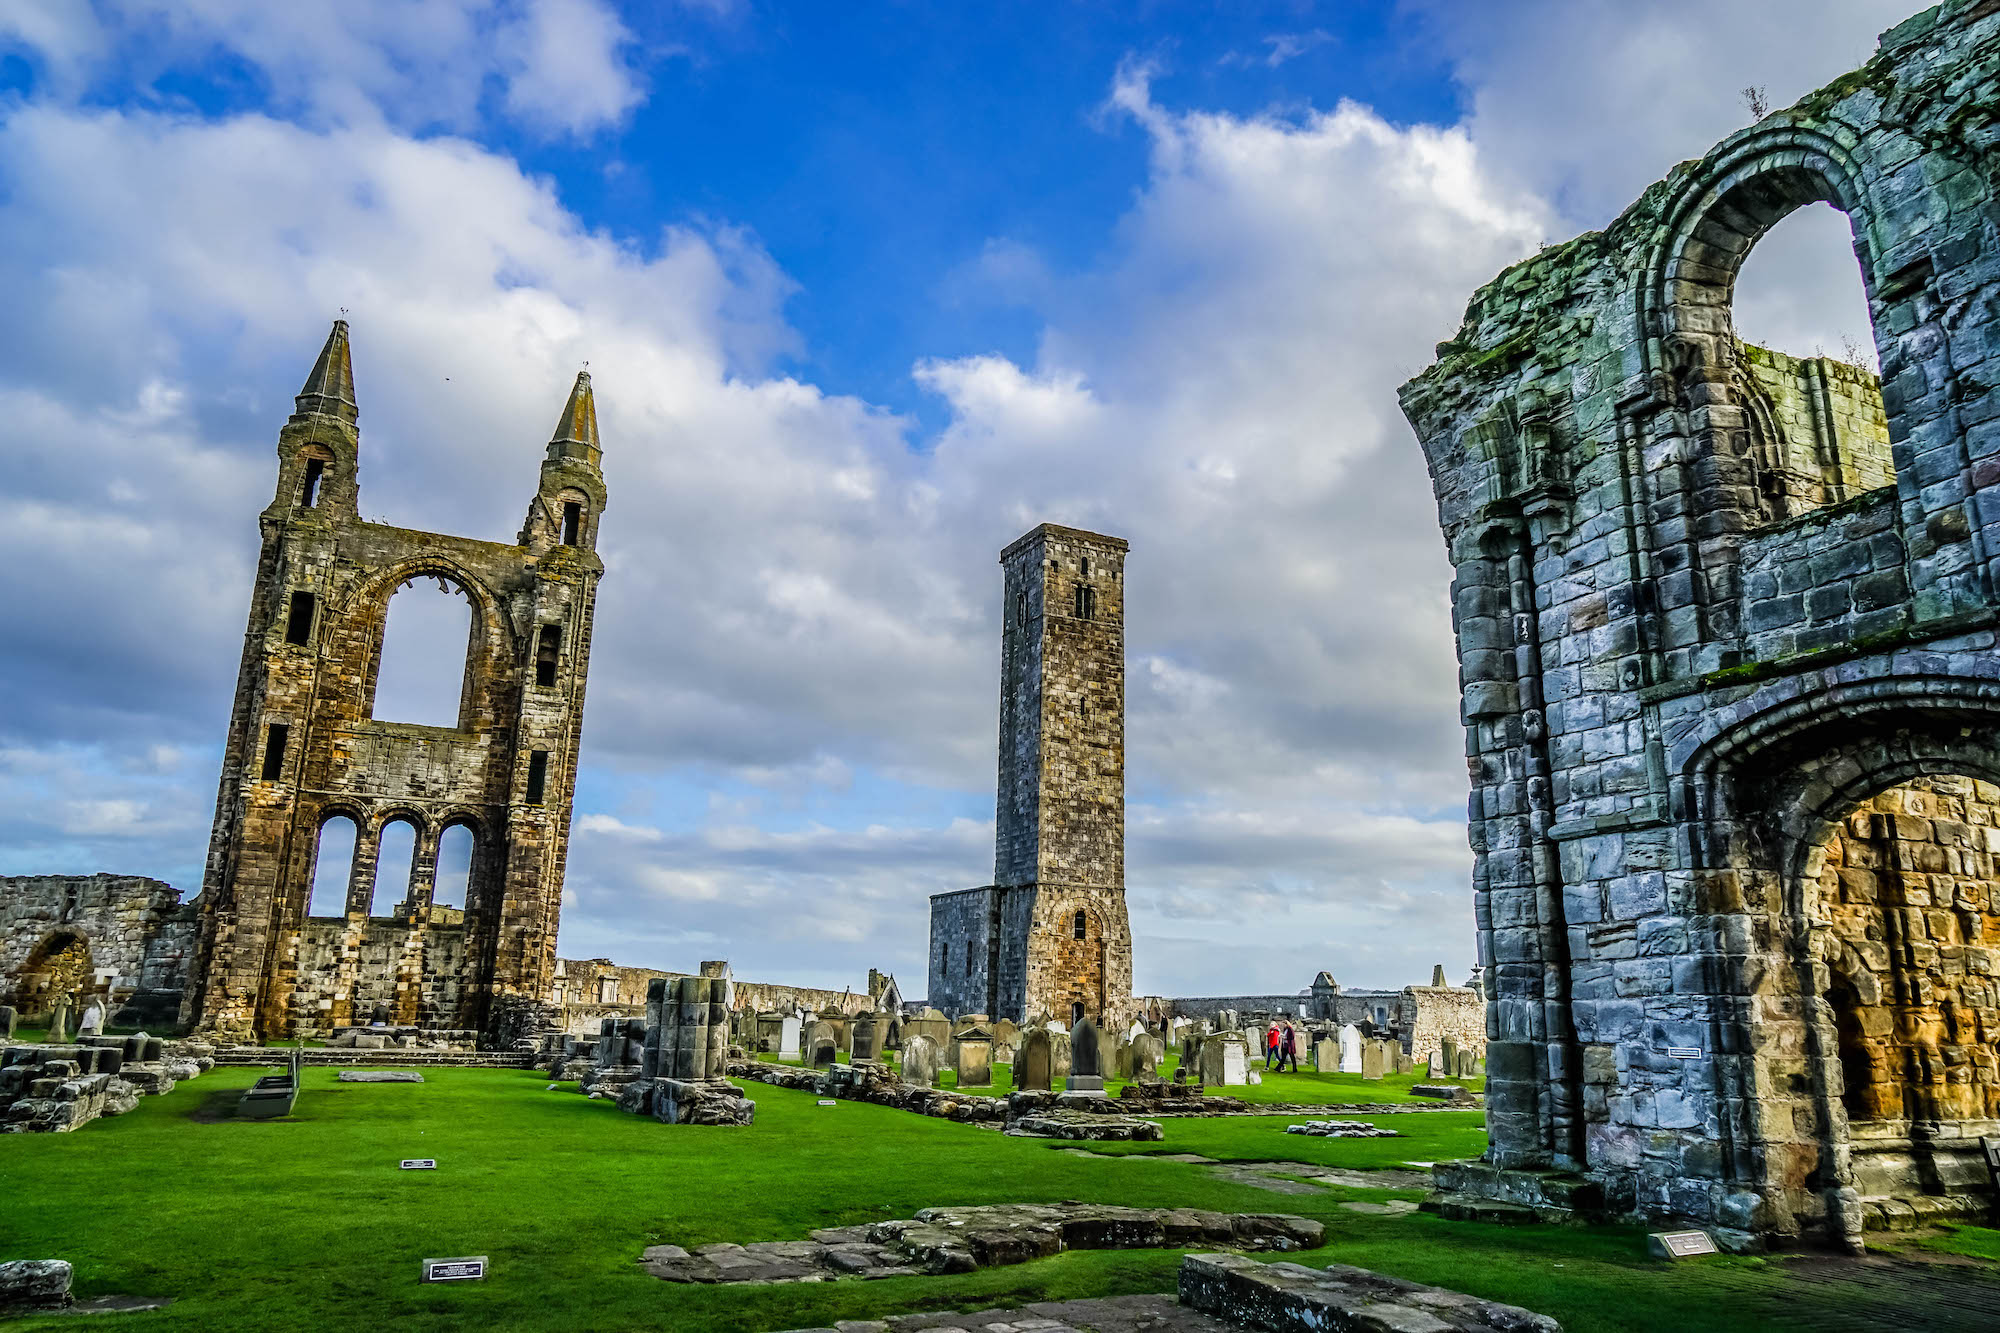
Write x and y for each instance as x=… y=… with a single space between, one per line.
x=1726 y=631
x=1050 y=935
x=304 y=746
x=588 y=990
x=1418 y=1018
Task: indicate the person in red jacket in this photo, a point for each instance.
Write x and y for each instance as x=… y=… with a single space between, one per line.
x=1271 y=1045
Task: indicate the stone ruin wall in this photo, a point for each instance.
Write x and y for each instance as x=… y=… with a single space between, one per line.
x=580 y=981
x=1434 y=1014
x=130 y=925
x=1700 y=625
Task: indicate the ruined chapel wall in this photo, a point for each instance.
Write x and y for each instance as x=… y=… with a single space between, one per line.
x=121 y=918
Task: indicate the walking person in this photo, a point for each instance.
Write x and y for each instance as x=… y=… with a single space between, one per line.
x=1271 y=1055
x=1289 y=1049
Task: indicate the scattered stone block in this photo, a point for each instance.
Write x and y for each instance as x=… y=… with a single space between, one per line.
x=1342 y=1129
x=1290 y=1298
x=379 y=1076
x=34 y=1284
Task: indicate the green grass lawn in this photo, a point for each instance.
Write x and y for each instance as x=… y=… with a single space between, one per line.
x=307 y=1223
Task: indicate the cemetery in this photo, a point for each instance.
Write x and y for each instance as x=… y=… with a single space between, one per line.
x=1730 y=1058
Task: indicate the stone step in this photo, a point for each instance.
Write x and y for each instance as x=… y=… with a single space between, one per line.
x=1291 y=1298
x=1474 y=1208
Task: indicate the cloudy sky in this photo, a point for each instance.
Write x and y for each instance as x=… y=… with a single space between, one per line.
x=866 y=292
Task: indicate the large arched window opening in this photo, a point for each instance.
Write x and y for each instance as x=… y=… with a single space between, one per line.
x=454 y=867
x=426 y=655
x=333 y=864
x=395 y=857
x=1800 y=425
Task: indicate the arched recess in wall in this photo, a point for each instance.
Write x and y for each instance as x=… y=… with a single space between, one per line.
x=395 y=855
x=425 y=666
x=456 y=848
x=333 y=864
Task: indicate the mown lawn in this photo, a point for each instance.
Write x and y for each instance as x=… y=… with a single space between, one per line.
x=307 y=1223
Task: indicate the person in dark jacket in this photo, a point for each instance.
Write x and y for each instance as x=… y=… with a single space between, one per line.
x=1289 y=1049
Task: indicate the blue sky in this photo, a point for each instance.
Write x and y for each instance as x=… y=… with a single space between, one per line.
x=866 y=292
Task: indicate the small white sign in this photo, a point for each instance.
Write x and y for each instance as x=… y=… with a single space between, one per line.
x=420 y=1164
x=828 y=1101
x=455 y=1270
x=1681 y=1244
x=1684 y=1052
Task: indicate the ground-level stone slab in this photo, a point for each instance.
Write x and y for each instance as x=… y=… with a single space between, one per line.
x=1291 y=1298
x=960 y=1240
x=1113 y=1314
x=378 y=1076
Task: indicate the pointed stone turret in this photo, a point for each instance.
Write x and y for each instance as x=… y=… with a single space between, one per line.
x=576 y=434
x=329 y=390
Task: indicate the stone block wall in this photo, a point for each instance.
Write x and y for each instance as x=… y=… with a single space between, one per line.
x=1433 y=1014
x=1680 y=672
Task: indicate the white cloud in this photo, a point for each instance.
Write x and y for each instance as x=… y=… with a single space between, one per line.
x=560 y=66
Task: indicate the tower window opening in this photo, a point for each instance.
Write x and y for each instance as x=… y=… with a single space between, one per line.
x=572 y=524
x=299 y=622
x=546 y=653
x=1082 y=709
x=315 y=473
x=538 y=776
x=1086 y=566
x=945 y=966
x=1081 y=925
x=1086 y=602
x=275 y=737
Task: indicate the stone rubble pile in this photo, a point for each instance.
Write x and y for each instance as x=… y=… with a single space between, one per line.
x=28 y=1285
x=1342 y=1129
x=1085 y=1127
x=376 y=1037
x=58 y=1089
x=960 y=1240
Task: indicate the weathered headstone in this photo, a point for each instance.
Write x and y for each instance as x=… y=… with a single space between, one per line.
x=1371 y=1059
x=825 y=1053
x=1225 y=1060
x=1086 y=1059
x=975 y=1058
x=1034 y=1066
x=1437 y=976
x=1404 y=1064
x=59 y=1021
x=867 y=1038
x=8 y=1018
x=921 y=1055
x=1463 y=1068
x=1446 y=1063
x=93 y=1018
x=1145 y=1056
x=1121 y=1058
x=1350 y=1049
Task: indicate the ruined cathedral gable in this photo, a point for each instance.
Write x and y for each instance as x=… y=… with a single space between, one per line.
x=305 y=748
x=1725 y=625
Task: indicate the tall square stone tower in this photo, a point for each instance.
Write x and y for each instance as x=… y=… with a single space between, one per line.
x=1049 y=935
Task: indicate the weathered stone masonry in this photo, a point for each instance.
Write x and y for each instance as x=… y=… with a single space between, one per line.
x=1050 y=935
x=123 y=936
x=304 y=747
x=1703 y=630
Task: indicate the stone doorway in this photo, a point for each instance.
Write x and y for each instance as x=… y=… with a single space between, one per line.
x=60 y=965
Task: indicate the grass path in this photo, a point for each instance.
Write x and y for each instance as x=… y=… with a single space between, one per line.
x=307 y=1223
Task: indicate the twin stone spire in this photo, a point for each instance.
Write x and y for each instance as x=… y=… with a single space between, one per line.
x=329 y=391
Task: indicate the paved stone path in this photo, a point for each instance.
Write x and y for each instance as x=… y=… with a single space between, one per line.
x=1276 y=1176
x=1116 y=1314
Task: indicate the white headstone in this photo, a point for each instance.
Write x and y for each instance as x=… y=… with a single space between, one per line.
x=1235 y=1064
x=1350 y=1049
x=788 y=1039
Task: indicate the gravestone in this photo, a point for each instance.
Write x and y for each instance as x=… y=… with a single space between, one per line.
x=867 y=1038
x=1350 y=1049
x=770 y=1032
x=788 y=1038
x=1034 y=1067
x=1086 y=1059
x=1371 y=1059
x=8 y=1018
x=1007 y=1035
x=93 y=1018
x=1446 y=1063
x=59 y=1021
x=1404 y=1064
x=975 y=1058
x=1437 y=976
x=1465 y=1063
x=1225 y=1060
x=1121 y=1058
x=825 y=1054
x=1145 y=1056
x=920 y=1061
x=1326 y=1056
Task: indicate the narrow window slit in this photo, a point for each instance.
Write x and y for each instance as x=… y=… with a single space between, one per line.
x=315 y=473
x=572 y=524
x=275 y=737
x=547 y=652
x=299 y=623
x=538 y=776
